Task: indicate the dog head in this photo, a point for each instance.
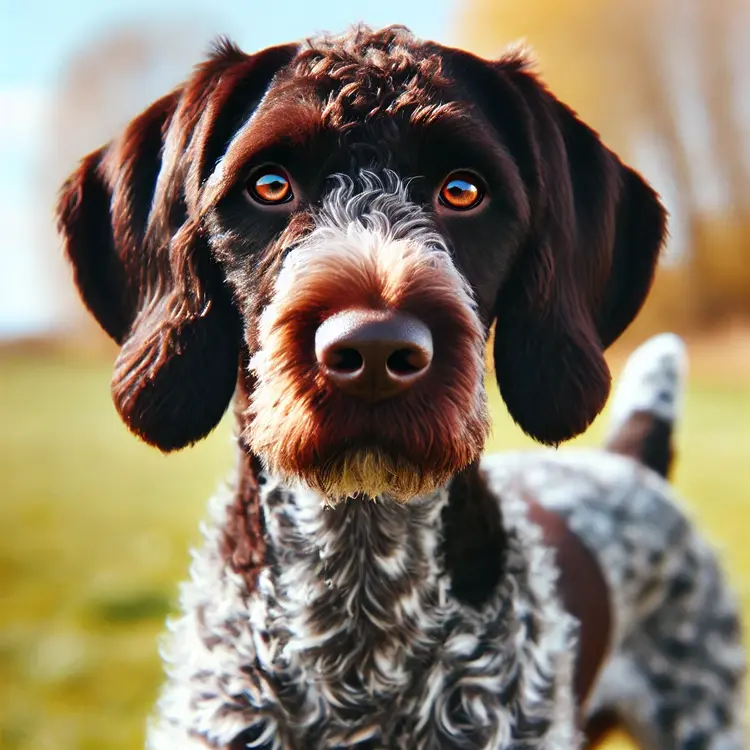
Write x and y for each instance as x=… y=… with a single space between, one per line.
x=343 y=220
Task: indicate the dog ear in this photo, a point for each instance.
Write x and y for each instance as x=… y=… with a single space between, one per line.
x=132 y=232
x=586 y=263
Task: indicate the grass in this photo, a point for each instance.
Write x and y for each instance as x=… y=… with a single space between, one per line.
x=95 y=529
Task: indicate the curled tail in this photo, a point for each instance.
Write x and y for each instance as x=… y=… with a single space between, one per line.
x=647 y=401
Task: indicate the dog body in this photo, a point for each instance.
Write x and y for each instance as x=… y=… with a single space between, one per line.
x=355 y=636
x=326 y=232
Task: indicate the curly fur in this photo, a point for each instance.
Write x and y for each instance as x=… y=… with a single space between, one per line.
x=354 y=637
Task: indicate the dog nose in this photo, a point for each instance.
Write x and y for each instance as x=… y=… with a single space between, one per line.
x=373 y=354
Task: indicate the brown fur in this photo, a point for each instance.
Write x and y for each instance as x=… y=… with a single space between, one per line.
x=304 y=427
x=182 y=269
x=647 y=438
x=177 y=264
x=244 y=544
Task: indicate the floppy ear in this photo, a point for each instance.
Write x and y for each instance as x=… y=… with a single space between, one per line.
x=586 y=264
x=142 y=265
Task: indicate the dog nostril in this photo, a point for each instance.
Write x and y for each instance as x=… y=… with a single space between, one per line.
x=406 y=361
x=345 y=360
x=373 y=354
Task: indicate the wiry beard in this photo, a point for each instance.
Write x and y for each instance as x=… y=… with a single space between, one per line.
x=368 y=249
x=371 y=473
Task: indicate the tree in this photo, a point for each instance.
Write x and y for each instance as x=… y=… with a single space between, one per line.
x=101 y=88
x=664 y=81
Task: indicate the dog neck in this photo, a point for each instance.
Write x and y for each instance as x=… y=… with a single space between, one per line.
x=455 y=532
x=352 y=603
x=467 y=536
x=359 y=571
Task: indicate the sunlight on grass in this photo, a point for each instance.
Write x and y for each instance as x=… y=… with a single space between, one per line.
x=95 y=529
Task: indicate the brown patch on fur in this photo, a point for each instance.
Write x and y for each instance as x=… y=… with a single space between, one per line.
x=244 y=543
x=473 y=538
x=584 y=593
x=647 y=439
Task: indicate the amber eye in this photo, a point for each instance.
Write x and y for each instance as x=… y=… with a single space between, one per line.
x=270 y=186
x=461 y=193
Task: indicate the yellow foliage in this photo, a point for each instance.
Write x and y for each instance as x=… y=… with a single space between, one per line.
x=619 y=65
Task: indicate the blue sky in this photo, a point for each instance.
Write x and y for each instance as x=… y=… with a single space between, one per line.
x=37 y=37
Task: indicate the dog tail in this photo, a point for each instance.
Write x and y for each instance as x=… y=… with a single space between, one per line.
x=647 y=402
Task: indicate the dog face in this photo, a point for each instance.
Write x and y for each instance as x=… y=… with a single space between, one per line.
x=343 y=220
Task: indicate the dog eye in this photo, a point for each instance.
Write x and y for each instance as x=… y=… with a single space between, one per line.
x=270 y=186
x=461 y=192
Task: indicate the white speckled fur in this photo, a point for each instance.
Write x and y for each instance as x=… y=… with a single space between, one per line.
x=652 y=381
x=223 y=631
x=230 y=650
x=623 y=512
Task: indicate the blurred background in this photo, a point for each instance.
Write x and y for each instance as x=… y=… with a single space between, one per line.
x=94 y=527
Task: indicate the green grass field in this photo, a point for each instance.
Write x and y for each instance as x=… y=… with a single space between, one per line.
x=95 y=529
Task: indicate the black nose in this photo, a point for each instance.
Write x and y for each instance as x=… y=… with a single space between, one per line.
x=373 y=354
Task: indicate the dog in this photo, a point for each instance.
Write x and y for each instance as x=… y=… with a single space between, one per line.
x=323 y=234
